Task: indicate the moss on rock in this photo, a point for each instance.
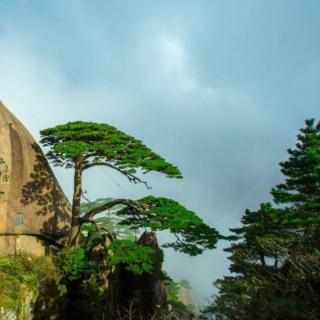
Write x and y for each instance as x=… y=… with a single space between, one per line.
x=30 y=288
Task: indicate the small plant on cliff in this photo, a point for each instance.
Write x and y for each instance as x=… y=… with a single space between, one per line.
x=73 y=263
x=136 y=257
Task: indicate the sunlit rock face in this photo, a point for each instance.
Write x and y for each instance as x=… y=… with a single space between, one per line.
x=34 y=212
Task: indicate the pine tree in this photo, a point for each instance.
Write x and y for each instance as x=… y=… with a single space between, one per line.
x=300 y=193
x=81 y=146
x=275 y=256
x=85 y=145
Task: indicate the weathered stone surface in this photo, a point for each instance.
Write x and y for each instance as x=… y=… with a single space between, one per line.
x=33 y=207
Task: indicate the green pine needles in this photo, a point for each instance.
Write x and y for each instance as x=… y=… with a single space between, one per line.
x=98 y=143
x=192 y=235
x=85 y=145
x=136 y=257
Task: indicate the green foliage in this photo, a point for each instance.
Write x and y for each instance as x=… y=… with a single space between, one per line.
x=73 y=263
x=90 y=298
x=35 y=278
x=102 y=143
x=193 y=235
x=91 y=237
x=275 y=254
x=301 y=190
x=83 y=145
x=135 y=257
x=174 y=302
x=13 y=273
x=51 y=299
x=84 y=274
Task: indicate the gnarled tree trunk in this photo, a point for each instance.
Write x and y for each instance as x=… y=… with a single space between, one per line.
x=76 y=203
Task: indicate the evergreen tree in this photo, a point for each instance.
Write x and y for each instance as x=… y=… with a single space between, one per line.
x=85 y=145
x=99 y=241
x=275 y=256
x=300 y=192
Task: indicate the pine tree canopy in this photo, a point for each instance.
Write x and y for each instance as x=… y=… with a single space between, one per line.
x=102 y=144
x=83 y=145
x=193 y=236
x=302 y=170
x=260 y=228
x=301 y=189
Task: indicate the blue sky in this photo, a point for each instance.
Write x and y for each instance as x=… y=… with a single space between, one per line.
x=219 y=88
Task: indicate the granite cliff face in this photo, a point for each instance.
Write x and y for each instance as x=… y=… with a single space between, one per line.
x=34 y=212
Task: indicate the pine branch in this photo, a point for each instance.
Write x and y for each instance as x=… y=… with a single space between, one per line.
x=131 y=177
x=133 y=204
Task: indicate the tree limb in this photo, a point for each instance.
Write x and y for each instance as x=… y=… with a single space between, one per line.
x=178 y=240
x=131 y=177
x=136 y=205
x=110 y=233
x=85 y=197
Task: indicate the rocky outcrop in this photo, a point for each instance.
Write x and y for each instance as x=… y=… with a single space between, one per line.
x=143 y=294
x=34 y=212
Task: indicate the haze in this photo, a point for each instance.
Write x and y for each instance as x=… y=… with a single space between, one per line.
x=219 y=88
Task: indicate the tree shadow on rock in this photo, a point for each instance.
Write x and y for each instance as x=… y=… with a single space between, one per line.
x=44 y=193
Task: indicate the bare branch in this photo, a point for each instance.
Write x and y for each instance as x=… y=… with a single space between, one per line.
x=178 y=240
x=131 y=177
x=85 y=197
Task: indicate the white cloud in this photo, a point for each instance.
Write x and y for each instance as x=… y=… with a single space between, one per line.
x=170 y=65
x=36 y=89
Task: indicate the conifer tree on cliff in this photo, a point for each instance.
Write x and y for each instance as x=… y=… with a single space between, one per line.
x=85 y=145
x=300 y=193
x=276 y=257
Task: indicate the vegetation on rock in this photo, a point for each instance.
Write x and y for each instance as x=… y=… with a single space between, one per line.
x=30 y=288
x=136 y=257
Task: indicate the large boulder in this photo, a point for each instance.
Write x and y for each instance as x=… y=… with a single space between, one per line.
x=34 y=212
